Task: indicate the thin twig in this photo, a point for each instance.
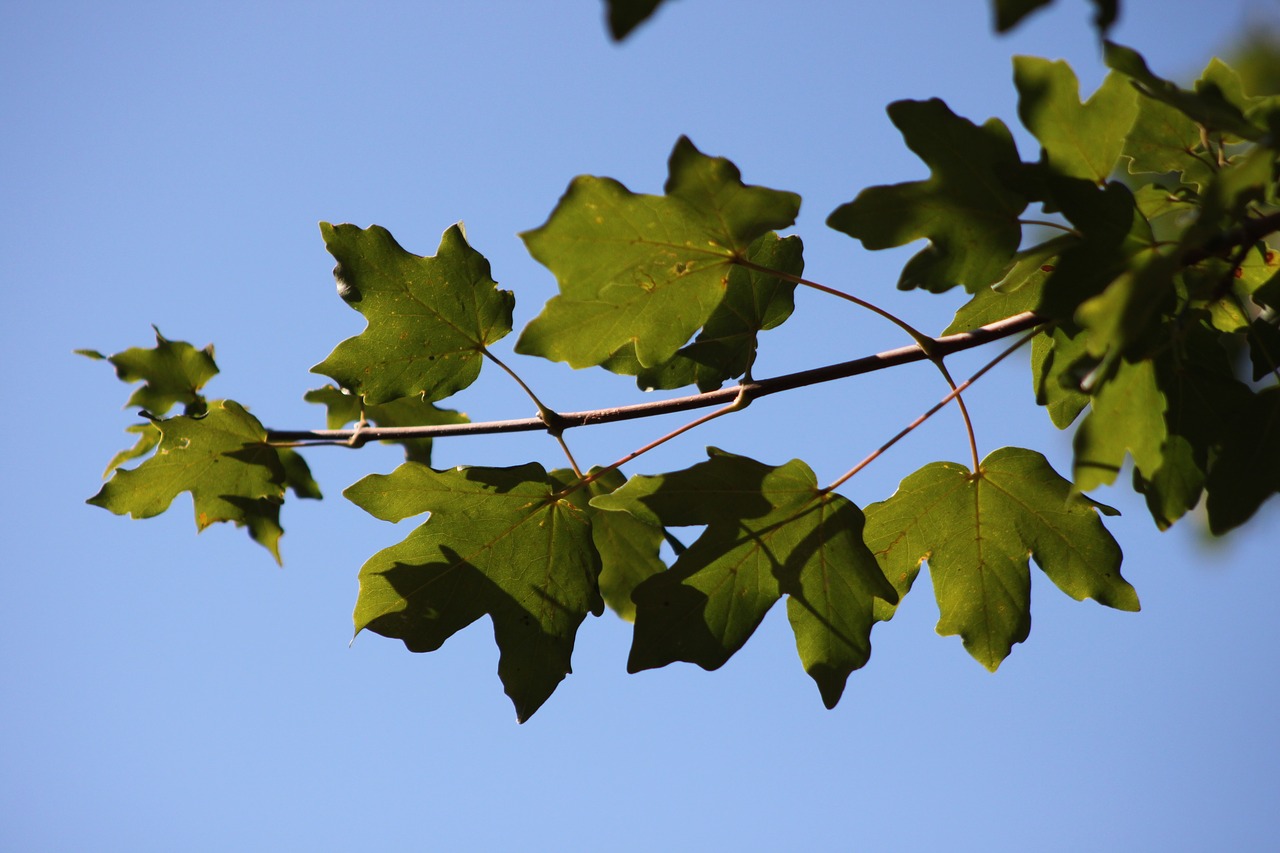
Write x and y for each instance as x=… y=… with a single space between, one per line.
x=905 y=431
x=749 y=391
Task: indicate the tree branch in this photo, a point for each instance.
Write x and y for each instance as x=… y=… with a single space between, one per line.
x=745 y=392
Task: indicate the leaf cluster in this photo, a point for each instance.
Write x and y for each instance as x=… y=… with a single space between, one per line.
x=1157 y=295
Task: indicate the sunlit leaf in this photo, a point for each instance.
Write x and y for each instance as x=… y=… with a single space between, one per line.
x=1207 y=106
x=222 y=459
x=628 y=548
x=968 y=208
x=1126 y=418
x=978 y=532
x=726 y=346
x=429 y=319
x=170 y=372
x=645 y=271
x=1055 y=356
x=1079 y=140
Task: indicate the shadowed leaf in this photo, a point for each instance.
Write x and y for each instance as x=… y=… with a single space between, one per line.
x=769 y=532
x=498 y=542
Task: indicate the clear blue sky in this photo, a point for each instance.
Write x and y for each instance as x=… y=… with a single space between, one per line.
x=167 y=163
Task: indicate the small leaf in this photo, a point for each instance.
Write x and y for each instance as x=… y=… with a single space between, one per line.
x=968 y=208
x=430 y=319
x=978 y=531
x=645 y=271
x=344 y=408
x=498 y=542
x=1055 y=357
x=1079 y=140
x=222 y=459
x=170 y=372
x=1009 y=13
x=769 y=532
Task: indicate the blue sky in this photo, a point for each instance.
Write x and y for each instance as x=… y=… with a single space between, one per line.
x=167 y=164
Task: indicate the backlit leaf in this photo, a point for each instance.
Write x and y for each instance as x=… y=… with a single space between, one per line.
x=645 y=271
x=628 y=548
x=1079 y=140
x=222 y=459
x=1126 y=417
x=429 y=319
x=978 y=532
x=726 y=346
x=170 y=372
x=1206 y=106
x=968 y=208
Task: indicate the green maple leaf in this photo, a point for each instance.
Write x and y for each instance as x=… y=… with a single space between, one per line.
x=148 y=438
x=1126 y=417
x=769 y=532
x=1055 y=359
x=170 y=372
x=343 y=408
x=645 y=271
x=968 y=208
x=726 y=347
x=498 y=542
x=429 y=319
x=1207 y=106
x=978 y=533
x=223 y=460
x=628 y=548
x=1079 y=140
x=297 y=474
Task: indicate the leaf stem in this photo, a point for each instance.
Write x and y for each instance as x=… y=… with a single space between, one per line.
x=955 y=394
x=741 y=401
x=922 y=340
x=555 y=423
x=916 y=335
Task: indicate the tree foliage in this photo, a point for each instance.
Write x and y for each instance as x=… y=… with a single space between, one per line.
x=1154 y=318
